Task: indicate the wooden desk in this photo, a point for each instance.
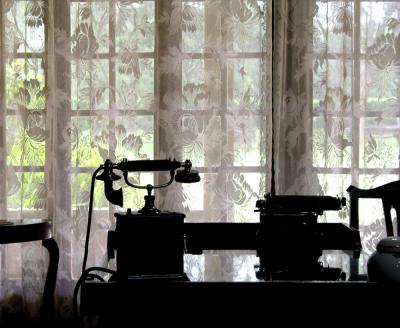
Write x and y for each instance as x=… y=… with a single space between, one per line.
x=27 y=230
x=226 y=303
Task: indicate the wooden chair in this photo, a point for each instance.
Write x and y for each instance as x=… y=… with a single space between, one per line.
x=27 y=230
x=390 y=195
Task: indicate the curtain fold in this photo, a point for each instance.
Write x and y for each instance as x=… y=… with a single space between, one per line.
x=292 y=94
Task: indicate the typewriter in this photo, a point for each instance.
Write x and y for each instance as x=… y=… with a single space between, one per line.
x=290 y=240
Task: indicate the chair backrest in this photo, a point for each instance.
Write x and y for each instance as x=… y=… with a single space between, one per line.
x=389 y=194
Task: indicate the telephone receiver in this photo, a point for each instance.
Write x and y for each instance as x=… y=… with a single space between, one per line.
x=184 y=174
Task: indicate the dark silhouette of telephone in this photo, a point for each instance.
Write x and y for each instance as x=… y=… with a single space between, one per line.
x=149 y=243
x=185 y=174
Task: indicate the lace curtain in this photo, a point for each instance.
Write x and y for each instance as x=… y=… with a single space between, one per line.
x=336 y=106
x=355 y=102
x=82 y=81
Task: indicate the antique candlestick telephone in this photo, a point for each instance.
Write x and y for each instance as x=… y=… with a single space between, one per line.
x=149 y=243
x=149 y=228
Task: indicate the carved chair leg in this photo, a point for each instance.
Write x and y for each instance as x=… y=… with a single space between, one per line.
x=48 y=309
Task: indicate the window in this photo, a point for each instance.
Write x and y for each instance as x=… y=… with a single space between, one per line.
x=90 y=80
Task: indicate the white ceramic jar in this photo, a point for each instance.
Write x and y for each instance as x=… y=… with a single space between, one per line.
x=384 y=264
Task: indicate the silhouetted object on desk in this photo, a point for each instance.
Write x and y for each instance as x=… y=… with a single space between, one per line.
x=148 y=246
x=149 y=243
x=185 y=175
x=291 y=241
x=384 y=264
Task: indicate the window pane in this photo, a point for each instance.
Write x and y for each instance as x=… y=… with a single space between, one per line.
x=201 y=138
x=333 y=25
x=245 y=83
x=135 y=82
x=135 y=137
x=381 y=87
x=25 y=84
x=28 y=192
x=332 y=85
x=201 y=83
x=193 y=26
x=379 y=33
x=26 y=137
x=379 y=146
x=90 y=84
x=244 y=25
x=244 y=189
x=80 y=192
x=135 y=25
x=373 y=14
x=89 y=141
x=133 y=197
x=335 y=185
x=249 y=140
x=89 y=28
x=25 y=27
x=332 y=139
